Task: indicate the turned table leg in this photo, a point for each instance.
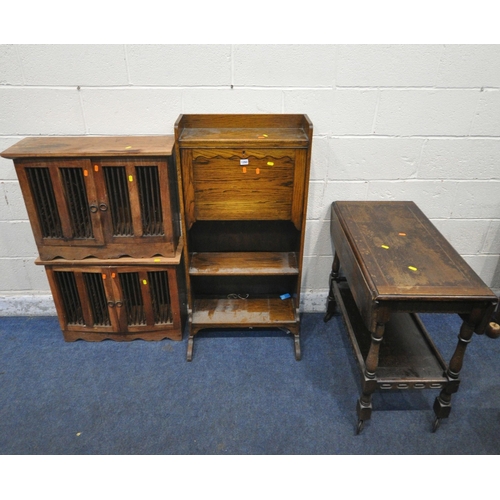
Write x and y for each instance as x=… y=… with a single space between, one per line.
x=442 y=404
x=364 y=405
x=334 y=276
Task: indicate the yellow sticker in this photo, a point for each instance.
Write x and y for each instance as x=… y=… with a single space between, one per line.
x=144 y=282
x=128 y=147
x=411 y=268
x=270 y=163
x=265 y=135
x=157 y=259
x=130 y=178
x=384 y=246
x=78 y=433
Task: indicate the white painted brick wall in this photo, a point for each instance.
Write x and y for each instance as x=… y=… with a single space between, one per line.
x=179 y=65
x=72 y=65
x=122 y=111
x=486 y=118
x=425 y=112
x=388 y=65
x=284 y=66
x=391 y=122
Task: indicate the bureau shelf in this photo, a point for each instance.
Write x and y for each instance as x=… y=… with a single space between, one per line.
x=243 y=263
x=241 y=313
x=233 y=312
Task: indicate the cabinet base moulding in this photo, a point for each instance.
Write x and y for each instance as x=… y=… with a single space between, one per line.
x=73 y=336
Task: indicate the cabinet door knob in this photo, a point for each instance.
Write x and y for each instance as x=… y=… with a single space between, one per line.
x=111 y=304
x=119 y=304
x=103 y=207
x=93 y=208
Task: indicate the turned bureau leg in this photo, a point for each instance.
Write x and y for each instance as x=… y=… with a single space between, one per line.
x=334 y=276
x=442 y=404
x=364 y=405
x=189 y=354
x=295 y=331
x=193 y=330
x=296 y=342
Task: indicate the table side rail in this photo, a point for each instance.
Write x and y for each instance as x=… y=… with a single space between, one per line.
x=363 y=291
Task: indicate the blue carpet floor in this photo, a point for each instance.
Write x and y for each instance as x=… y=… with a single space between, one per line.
x=243 y=394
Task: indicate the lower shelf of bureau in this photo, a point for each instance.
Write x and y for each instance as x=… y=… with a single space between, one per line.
x=408 y=359
x=272 y=312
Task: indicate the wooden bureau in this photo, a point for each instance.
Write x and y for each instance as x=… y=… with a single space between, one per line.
x=244 y=187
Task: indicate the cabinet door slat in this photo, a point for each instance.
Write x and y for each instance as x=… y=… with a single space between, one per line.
x=45 y=202
x=76 y=198
x=97 y=299
x=116 y=185
x=150 y=201
x=160 y=296
x=132 y=299
x=70 y=298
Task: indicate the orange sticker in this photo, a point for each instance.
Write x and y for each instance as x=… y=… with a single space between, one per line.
x=85 y=173
x=257 y=171
x=103 y=276
x=244 y=170
x=113 y=275
x=96 y=168
x=401 y=234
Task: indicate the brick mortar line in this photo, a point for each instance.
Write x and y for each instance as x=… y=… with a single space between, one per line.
x=326 y=87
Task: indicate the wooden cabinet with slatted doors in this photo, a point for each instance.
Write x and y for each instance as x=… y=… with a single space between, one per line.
x=109 y=299
x=244 y=197
x=103 y=197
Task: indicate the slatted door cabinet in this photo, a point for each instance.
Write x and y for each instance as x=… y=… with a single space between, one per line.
x=104 y=197
x=122 y=299
x=105 y=216
x=244 y=188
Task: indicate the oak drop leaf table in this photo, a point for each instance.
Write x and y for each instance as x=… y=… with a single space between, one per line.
x=391 y=263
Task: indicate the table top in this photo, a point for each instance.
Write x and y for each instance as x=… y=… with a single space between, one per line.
x=403 y=256
x=88 y=146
